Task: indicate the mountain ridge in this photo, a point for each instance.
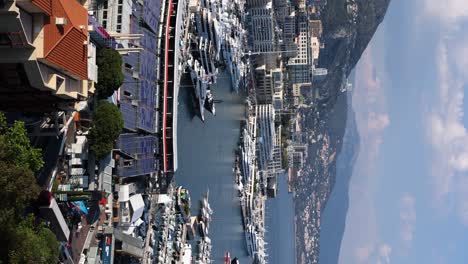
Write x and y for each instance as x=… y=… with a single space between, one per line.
x=347 y=32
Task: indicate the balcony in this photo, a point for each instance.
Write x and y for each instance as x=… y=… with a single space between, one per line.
x=92 y=72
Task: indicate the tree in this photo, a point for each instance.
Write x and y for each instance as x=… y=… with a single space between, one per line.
x=23 y=242
x=107 y=126
x=15 y=146
x=18 y=187
x=110 y=76
x=33 y=244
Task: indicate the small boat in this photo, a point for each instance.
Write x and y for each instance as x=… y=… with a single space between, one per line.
x=235 y=261
x=210 y=102
x=227 y=258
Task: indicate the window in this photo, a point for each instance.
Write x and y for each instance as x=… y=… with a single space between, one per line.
x=5 y=40
x=119 y=27
x=119 y=9
x=128 y=163
x=104 y=14
x=120 y=2
x=119 y=19
x=104 y=24
x=128 y=66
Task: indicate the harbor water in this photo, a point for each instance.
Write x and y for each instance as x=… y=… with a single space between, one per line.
x=206 y=158
x=280 y=225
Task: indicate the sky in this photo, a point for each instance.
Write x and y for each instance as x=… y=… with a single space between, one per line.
x=409 y=189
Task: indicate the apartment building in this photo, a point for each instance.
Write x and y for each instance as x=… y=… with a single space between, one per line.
x=266 y=135
x=45 y=55
x=300 y=66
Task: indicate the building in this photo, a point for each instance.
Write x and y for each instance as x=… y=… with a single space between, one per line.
x=275 y=164
x=135 y=155
x=300 y=66
x=272 y=186
x=269 y=85
x=248 y=150
x=114 y=15
x=262 y=36
x=262 y=29
x=288 y=44
x=44 y=59
x=316 y=28
x=266 y=134
x=263 y=85
x=278 y=90
x=257 y=3
x=315 y=45
x=319 y=74
x=282 y=9
x=50 y=211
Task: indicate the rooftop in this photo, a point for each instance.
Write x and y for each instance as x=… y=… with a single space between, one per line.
x=65 y=35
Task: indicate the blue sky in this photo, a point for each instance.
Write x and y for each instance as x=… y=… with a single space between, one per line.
x=409 y=191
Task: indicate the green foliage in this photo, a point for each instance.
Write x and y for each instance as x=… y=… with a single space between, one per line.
x=33 y=244
x=110 y=75
x=18 y=187
x=21 y=241
x=107 y=126
x=336 y=14
x=15 y=146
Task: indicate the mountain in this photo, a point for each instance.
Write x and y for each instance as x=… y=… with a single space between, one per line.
x=346 y=36
x=333 y=218
x=348 y=28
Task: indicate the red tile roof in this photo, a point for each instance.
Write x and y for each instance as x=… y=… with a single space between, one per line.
x=45 y=5
x=64 y=44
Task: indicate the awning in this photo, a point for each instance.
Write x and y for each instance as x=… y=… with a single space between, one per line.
x=124 y=193
x=138 y=206
x=80 y=205
x=164 y=199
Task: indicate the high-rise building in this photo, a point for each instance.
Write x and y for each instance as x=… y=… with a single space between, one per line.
x=45 y=55
x=263 y=36
x=300 y=66
x=263 y=85
x=266 y=135
x=275 y=165
x=268 y=84
x=262 y=31
x=114 y=15
x=288 y=44
x=257 y=3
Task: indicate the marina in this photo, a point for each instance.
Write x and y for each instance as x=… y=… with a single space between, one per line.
x=206 y=154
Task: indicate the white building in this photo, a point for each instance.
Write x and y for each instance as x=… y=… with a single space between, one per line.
x=275 y=165
x=114 y=15
x=266 y=138
x=300 y=66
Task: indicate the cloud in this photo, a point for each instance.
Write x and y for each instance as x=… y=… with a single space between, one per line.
x=363 y=253
x=384 y=253
x=377 y=122
x=448 y=10
x=407 y=222
x=362 y=242
x=373 y=253
x=447 y=134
